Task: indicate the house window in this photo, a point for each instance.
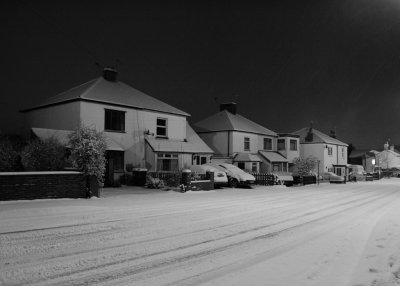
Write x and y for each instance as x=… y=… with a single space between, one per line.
x=293 y=145
x=246 y=144
x=162 y=127
x=200 y=160
x=276 y=167
x=281 y=144
x=114 y=120
x=254 y=167
x=330 y=151
x=167 y=162
x=343 y=153
x=267 y=144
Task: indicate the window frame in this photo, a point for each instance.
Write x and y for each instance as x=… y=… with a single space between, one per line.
x=295 y=145
x=330 y=151
x=109 y=114
x=284 y=144
x=246 y=143
x=162 y=127
x=170 y=157
x=269 y=140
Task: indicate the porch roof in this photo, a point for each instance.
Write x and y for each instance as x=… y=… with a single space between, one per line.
x=192 y=144
x=62 y=136
x=246 y=157
x=273 y=156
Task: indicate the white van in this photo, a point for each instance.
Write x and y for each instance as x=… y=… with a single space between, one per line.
x=356 y=173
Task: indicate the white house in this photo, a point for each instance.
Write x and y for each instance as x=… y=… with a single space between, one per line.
x=330 y=152
x=240 y=141
x=388 y=158
x=140 y=130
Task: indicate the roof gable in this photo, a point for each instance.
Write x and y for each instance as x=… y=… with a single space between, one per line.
x=117 y=93
x=318 y=137
x=226 y=121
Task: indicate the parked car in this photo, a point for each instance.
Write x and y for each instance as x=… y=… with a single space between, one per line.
x=220 y=177
x=333 y=178
x=357 y=173
x=236 y=176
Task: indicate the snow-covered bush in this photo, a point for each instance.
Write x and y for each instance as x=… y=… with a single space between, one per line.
x=306 y=166
x=88 y=149
x=44 y=155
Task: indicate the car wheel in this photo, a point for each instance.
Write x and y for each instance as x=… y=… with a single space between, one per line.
x=233 y=183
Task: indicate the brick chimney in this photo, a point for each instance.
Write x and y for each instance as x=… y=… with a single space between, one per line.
x=230 y=107
x=110 y=74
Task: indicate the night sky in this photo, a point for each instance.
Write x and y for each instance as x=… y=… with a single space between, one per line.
x=285 y=63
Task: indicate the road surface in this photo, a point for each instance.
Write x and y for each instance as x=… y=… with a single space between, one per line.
x=314 y=235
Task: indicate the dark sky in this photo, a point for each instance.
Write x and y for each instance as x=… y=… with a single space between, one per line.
x=285 y=63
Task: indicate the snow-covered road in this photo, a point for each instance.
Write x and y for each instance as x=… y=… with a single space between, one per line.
x=314 y=235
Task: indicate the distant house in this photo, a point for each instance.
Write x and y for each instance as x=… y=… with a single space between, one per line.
x=388 y=158
x=365 y=158
x=140 y=130
x=242 y=142
x=330 y=152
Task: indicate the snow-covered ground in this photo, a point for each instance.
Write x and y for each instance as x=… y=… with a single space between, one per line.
x=313 y=235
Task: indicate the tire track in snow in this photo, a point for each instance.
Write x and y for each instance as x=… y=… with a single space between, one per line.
x=149 y=266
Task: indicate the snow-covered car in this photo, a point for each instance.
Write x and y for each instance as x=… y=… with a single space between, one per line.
x=220 y=177
x=357 y=173
x=333 y=178
x=236 y=176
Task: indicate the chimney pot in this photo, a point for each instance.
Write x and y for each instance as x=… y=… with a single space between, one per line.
x=230 y=107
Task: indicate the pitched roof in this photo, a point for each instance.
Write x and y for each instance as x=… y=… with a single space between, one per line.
x=273 y=156
x=318 y=137
x=116 y=93
x=226 y=121
x=246 y=157
x=193 y=144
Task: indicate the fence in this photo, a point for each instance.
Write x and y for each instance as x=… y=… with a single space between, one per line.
x=265 y=179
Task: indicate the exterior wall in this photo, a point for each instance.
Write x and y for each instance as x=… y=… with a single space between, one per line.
x=238 y=142
x=219 y=142
x=137 y=122
x=387 y=160
x=287 y=153
x=261 y=142
x=64 y=116
x=368 y=166
x=41 y=185
x=316 y=151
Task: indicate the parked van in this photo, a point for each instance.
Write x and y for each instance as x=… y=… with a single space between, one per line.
x=356 y=173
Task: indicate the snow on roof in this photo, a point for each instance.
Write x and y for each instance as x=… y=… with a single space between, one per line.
x=118 y=93
x=273 y=156
x=318 y=137
x=226 y=121
x=193 y=144
x=246 y=157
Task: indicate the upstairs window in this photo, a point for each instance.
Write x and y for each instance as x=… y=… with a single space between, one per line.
x=267 y=144
x=162 y=127
x=114 y=120
x=281 y=144
x=330 y=152
x=246 y=144
x=343 y=153
x=293 y=145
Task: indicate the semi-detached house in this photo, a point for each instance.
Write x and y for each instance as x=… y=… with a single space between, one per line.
x=140 y=130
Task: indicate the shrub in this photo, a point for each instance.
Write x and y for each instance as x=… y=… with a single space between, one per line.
x=9 y=157
x=44 y=155
x=305 y=166
x=88 y=149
